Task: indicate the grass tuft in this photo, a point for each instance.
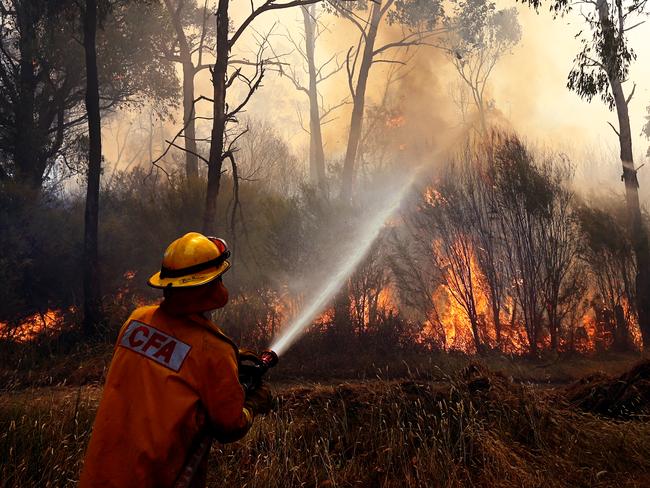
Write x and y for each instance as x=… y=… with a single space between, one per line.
x=472 y=427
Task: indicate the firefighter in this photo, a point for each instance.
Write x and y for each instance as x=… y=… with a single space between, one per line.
x=173 y=378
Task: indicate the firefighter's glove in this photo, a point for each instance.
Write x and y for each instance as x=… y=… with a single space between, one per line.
x=260 y=400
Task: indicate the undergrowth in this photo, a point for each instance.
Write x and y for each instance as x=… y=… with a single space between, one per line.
x=473 y=428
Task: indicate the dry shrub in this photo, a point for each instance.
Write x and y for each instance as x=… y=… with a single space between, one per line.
x=623 y=397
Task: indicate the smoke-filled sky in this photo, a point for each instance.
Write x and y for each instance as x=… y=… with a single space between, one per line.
x=528 y=87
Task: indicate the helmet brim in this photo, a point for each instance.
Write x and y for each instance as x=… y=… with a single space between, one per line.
x=189 y=281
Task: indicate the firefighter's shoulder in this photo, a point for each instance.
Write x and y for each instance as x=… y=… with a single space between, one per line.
x=213 y=338
x=139 y=314
x=144 y=312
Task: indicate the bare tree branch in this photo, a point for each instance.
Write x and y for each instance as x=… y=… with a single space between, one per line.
x=265 y=7
x=614 y=129
x=629 y=98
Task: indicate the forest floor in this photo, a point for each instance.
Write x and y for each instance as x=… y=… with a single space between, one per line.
x=436 y=421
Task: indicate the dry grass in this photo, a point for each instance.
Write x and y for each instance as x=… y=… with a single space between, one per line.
x=24 y=366
x=474 y=428
x=43 y=435
x=363 y=364
x=39 y=365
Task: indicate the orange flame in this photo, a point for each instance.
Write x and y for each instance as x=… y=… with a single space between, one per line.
x=586 y=334
x=49 y=322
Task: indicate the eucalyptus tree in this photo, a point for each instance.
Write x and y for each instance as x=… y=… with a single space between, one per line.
x=92 y=294
x=602 y=68
x=418 y=20
x=479 y=36
x=43 y=77
x=316 y=74
x=226 y=72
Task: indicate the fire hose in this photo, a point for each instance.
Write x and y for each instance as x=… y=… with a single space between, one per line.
x=252 y=368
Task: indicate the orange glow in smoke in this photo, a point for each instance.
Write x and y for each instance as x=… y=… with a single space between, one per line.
x=386 y=300
x=367 y=310
x=395 y=121
x=284 y=307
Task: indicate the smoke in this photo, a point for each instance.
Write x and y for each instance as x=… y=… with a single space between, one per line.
x=528 y=89
x=340 y=269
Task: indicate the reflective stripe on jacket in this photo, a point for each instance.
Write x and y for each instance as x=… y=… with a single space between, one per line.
x=171 y=377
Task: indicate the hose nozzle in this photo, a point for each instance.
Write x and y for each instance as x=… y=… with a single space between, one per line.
x=252 y=367
x=269 y=358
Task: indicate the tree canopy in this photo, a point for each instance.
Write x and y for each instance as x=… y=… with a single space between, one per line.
x=43 y=77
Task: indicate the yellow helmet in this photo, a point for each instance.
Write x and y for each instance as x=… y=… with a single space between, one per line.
x=192 y=260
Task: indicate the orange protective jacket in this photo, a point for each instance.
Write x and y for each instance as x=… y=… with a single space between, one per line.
x=172 y=379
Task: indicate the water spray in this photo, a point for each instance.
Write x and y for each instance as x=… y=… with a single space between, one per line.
x=252 y=366
x=342 y=272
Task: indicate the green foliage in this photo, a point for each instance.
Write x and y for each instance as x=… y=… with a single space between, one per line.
x=416 y=13
x=479 y=26
x=604 y=57
x=43 y=114
x=520 y=180
x=605 y=231
x=413 y=14
x=606 y=54
x=478 y=36
x=130 y=66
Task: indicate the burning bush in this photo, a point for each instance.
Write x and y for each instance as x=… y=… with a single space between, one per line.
x=506 y=258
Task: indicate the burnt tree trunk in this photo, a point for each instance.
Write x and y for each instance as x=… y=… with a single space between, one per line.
x=473 y=320
x=472 y=315
x=26 y=143
x=92 y=295
x=341 y=328
x=621 y=331
x=496 y=318
x=316 y=152
x=639 y=235
x=191 y=160
x=553 y=328
x=189 y=71
x=358 y=103
x=215 y=160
